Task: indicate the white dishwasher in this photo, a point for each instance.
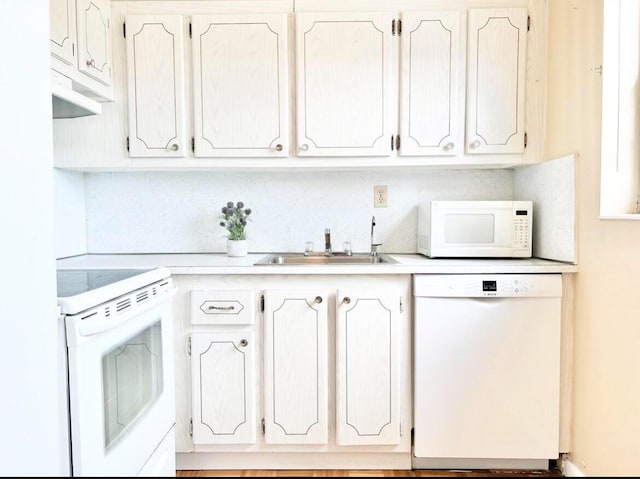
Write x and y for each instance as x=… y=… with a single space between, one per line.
x=486 y=370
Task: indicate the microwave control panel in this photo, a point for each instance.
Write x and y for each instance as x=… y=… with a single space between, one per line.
x=521 y=227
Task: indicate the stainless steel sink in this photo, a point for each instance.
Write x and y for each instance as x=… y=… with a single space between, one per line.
x=301 y=259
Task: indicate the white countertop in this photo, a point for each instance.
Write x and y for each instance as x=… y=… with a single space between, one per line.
x=199 y=263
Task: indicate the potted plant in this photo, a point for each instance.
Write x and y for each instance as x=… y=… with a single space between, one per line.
x=234 y=220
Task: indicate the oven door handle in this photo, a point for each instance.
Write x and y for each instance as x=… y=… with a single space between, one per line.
x=92 y=326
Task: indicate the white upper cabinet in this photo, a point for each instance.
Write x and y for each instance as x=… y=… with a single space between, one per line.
x=80 y=45
x=155 y=82
x=63 y=30
x=240 y=90
x=343 y=84
x=94 y=39
x=432 y=84
x=496 y=60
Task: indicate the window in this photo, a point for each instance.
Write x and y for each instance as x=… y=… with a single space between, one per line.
x=620 y=157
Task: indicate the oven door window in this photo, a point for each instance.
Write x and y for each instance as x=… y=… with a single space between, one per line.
x=132 y=380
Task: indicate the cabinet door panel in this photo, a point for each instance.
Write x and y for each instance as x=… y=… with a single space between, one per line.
x=240 y=85
x=94 y=39
x=295 y=361
x=432 y=86
x=497 y=41
x=63 y=30
x=343 y=84
x=367 y=359
x=222 y=370
x=155 y=86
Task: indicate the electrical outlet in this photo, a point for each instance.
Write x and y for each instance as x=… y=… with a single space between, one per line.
x=380 y=196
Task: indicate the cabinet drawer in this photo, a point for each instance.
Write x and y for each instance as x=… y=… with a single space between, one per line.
x=222 y=307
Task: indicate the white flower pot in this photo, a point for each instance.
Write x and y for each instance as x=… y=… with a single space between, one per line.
x=237 y=247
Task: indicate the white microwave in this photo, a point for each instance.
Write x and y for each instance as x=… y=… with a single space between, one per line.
x=475 y=229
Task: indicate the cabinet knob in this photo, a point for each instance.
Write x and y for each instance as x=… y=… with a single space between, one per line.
x=244 y=343
x=175 y=147
x=279 y=147
x=346 y=300
x=318 y=299
x=91 y=63
x=448 y=147
x=475 y=144
x=304 y=147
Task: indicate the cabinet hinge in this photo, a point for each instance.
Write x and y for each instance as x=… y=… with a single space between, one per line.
x=127 y=143
x=262 y=426
x=392 y=142
x=401 y=428
x=189 y=346
x=262 y=306
x=401 y=305
x=526 y=139
x=193 y=144
x=398 y=142
x=190 y=30
x=399 y=27
x=393 y=27
x=190 y=427
x=124 y=30
x=528 y=22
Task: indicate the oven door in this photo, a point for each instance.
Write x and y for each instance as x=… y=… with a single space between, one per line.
x=121 y=388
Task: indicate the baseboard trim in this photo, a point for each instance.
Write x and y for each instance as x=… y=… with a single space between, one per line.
x=458 y=463
x=569 y=469
x=276 y=460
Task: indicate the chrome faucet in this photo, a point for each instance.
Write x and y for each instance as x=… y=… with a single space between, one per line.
x=374 y=246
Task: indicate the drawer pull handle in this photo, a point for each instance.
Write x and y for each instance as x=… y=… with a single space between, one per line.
x=244 y=343
x=346 y=300
x=318 y=299
x=222 y=308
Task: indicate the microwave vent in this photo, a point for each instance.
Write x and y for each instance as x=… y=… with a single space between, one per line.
x=423 y=242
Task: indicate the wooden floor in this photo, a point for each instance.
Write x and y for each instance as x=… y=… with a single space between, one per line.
x=368 y=473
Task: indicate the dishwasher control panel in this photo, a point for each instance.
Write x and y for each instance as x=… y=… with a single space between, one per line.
x=487 y=285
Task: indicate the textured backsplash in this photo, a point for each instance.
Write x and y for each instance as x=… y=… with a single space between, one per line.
x=164 y=212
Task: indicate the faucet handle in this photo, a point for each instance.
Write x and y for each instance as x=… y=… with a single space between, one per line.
x=374 y=248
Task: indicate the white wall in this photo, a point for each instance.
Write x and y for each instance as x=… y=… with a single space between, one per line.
x=606 y=424
x=70 y=213
x=31 y=438
x=178 y=212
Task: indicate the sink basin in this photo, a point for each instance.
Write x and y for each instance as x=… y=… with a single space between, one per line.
x=300 y=259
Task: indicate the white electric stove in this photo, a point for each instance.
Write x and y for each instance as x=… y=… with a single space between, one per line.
x=116 y=336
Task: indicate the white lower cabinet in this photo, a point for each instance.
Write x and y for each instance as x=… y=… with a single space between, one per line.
x=223 y=381
x=368 y=411
x=305 y=366
x=295 y=367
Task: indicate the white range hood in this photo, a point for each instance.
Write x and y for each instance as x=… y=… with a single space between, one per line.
x=68 y=103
